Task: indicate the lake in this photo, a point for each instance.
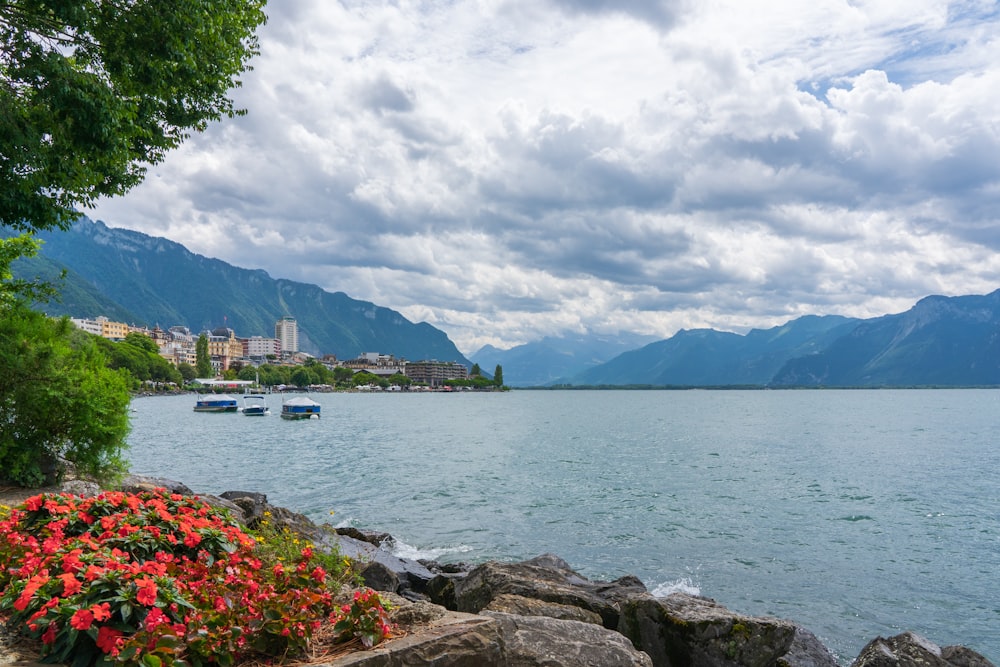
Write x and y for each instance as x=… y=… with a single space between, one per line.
x=855 y=513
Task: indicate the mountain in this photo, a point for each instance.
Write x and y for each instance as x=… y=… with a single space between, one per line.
x=940 y=341
x=548 y=360
x=156 y=281
x=705 y=357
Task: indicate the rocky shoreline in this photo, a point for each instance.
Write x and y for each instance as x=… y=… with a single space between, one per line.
x=540 y=612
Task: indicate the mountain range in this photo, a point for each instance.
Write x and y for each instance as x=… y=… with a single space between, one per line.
x=139 y=279
x=940 y=341
x=132 y=277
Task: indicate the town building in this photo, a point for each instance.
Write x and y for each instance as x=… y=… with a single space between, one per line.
x=103 y=327
x=435 y=373
x=286 y=330
x=382 y=365
x=258 y=348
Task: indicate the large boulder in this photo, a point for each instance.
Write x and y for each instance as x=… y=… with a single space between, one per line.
x=685 y=630
x=547 y=578
x=541 y=641
x=912 y=650
x=433 y=636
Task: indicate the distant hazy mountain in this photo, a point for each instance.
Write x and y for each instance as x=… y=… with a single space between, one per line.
x=704 y=357
x=551 y=359
x=156 y=281
x=940 y=341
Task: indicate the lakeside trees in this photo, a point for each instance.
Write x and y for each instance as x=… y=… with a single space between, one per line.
x=91 y=93
x=94 y=91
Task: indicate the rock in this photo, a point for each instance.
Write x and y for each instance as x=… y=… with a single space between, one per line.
x=547 y=578
x=540 y=640
x=370 y=536
x=685 y=630
x=522 y=606
x=252 y=505
x=80 y=487
x=912 y=650
x=436 y=637
x=140 y=483
x=452 y=639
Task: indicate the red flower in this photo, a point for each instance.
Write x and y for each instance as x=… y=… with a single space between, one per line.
x=82 y=620
x=101 y=612
x=50 y=634
x=192 y=539
x=108 y=639
x=154 y=619
x=34 y=503
x=147 y=591
x=71 y=584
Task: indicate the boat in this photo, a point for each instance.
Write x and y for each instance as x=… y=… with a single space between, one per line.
x=216 y=403
x=300 y=407
x=255 y=405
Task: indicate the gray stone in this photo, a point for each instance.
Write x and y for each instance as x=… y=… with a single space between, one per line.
x=911 y=650
x=522 y=606
x=540 y=641
x=140 y=483
x=547 y=578
x=682 y=630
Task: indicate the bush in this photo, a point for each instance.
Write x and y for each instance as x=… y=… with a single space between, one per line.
x=152 y=579
x=58 y=399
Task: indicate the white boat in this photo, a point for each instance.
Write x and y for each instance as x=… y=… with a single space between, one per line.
x=216 y=403
x=300 y=407
x=255 y=405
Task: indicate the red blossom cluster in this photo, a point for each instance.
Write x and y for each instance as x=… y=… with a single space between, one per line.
x=124 y=576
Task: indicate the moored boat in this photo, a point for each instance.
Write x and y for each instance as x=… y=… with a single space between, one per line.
x=216 y=403
x=255 y=405
x=300 y=407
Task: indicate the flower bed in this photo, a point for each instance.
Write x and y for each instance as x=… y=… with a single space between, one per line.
x=162 y=579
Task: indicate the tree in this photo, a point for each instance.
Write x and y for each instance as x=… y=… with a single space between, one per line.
x=59 y=400
x=187 y=371
x=203 y=363
x=94 y=91
x=498 y=376
x=476 y=370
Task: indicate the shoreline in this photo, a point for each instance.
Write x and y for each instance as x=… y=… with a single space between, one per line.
x=547 y=587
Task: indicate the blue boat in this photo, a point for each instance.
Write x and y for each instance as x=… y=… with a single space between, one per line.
x=255 y=405
x=300 y=407
x=216 y=403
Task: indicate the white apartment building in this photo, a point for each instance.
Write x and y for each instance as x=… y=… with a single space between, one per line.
x=286 y=330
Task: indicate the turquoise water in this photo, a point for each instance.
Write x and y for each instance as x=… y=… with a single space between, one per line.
x=854 y=513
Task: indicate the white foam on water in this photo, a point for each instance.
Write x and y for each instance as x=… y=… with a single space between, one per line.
x=404 y=550
x=684 y=585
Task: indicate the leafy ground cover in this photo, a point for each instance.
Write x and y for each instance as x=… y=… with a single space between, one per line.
x=156 y=578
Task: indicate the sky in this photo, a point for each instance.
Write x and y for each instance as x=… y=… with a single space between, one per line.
x=512 y=169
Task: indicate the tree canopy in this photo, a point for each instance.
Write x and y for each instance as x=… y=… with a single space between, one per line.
x=92 y=92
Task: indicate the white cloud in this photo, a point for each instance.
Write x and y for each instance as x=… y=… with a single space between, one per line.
x=506 y=169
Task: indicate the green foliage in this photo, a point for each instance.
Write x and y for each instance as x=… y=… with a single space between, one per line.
x=475 y=370
x=400 y=380
x=203 y=363
x=364 y=378
x=498 y=376
x=343 y=376
x=93 y=91
x=364 y=618
x=186 y=371
x=140 y=356
x=11 y=289
x=277 y=544
x=59 y=400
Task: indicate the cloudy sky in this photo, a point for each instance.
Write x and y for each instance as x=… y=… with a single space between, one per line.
x=509 y=169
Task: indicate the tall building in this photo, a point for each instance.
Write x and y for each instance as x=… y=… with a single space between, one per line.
x=287 y=331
